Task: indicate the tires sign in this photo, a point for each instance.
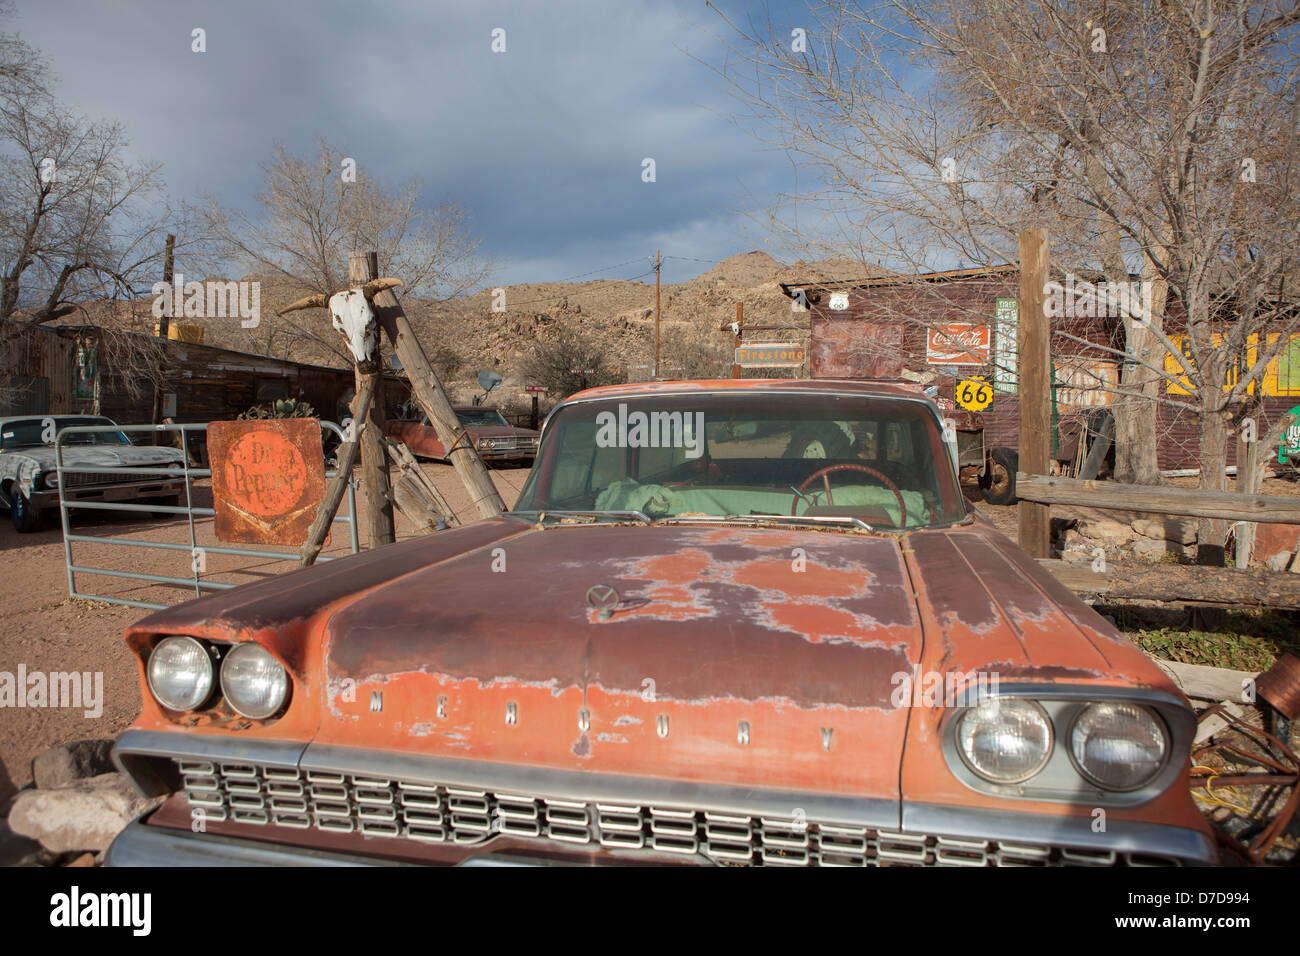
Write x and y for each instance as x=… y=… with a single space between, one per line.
x=1289 y=449
x=974 y=394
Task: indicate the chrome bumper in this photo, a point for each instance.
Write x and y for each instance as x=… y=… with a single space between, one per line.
x=143 y=845
x=49 y=498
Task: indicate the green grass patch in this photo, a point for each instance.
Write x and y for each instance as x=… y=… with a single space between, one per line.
x=1243 y=640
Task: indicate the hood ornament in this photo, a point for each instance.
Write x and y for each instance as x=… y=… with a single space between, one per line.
x=604 y=599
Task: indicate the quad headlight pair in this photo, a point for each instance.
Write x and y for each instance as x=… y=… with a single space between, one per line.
x=1115 y=746
x=182 y=672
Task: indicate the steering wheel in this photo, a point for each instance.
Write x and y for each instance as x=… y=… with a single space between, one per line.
x=824 y=475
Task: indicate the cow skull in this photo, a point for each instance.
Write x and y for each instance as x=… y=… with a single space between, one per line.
x=353 y=317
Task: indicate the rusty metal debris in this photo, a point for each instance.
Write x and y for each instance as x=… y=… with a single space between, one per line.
x=1258 y=820
x=1280 y=686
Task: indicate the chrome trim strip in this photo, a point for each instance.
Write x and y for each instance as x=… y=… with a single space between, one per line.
x=225 y=749
x=1028 y=828
x=141 y=845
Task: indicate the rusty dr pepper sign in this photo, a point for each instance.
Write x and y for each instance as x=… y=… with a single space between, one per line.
x=268 y=479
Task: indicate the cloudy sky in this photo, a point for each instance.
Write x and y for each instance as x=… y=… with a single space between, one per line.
x=542 y=144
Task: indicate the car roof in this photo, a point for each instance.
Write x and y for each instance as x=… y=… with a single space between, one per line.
x=880 y=388
x=24 y=418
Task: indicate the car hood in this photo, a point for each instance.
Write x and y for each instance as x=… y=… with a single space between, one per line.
x=104 y=456
x=766 y=658
x=755 y=656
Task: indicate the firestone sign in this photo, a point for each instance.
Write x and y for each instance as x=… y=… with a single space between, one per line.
x=772 y=355
x=268 y=479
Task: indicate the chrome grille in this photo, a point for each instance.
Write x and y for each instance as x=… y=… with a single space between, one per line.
x=376 y=807
x=79 y=479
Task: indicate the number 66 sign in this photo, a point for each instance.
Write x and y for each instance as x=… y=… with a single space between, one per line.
x=974 y=394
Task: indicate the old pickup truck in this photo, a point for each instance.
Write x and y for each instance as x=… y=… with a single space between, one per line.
x=753 y=623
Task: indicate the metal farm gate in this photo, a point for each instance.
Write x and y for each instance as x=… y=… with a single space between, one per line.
x=192 y=550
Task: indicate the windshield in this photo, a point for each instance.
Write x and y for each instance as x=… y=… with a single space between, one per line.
x=29 y=432
x=481 y=416
x=880 y=460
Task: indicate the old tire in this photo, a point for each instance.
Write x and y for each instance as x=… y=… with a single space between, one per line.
x=173 y=502
x=1001 y=486
x=26 y=516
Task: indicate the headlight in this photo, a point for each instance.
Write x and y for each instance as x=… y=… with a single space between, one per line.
x=1118 y=746
x=180 y=673
x=51 y=479
x=1004 y=739
x=253 y=681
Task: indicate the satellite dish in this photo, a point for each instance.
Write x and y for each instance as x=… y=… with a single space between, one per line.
x=488 y=380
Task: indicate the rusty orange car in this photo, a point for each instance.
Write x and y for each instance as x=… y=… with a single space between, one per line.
x=751 y=623
x=494 y=438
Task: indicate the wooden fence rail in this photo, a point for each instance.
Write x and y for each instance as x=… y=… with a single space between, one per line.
x=1182 y=584
x=1192 y=502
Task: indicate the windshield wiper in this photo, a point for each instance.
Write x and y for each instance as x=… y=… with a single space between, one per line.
x=594 y=515
x=783 y=519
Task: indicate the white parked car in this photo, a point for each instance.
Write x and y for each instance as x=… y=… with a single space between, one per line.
x=29 y=482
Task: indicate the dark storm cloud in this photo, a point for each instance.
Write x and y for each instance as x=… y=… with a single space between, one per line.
x=543 y=144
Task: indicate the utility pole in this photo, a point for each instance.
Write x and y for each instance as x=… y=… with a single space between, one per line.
x=740 y=319
x=656 y=375
x=164 y=323
x=1035 y=389
x=169 y=271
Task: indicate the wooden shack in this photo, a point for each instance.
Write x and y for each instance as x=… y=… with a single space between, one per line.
x=72 y=370
x=941 y=328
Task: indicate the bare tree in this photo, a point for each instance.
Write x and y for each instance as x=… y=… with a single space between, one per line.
x=1153 y=138
x=76 y=224
x=313 y=214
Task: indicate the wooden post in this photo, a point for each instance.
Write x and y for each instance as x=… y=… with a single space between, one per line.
x=1248 y=483
x=417 y=496
x=334 y=493
x=169 y=272
x=740 y=328
x=429 y=393
x=1035 y=445
x=536 y=416
x=164 y=323
x=362 y=267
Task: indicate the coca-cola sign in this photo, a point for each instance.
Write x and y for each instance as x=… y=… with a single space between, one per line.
x=957 y=344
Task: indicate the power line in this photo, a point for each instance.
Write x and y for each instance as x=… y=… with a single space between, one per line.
x=568 y=295
x=713 y=262
x=605 y=269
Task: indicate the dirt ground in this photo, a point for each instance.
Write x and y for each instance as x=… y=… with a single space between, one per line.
x=44 y=630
